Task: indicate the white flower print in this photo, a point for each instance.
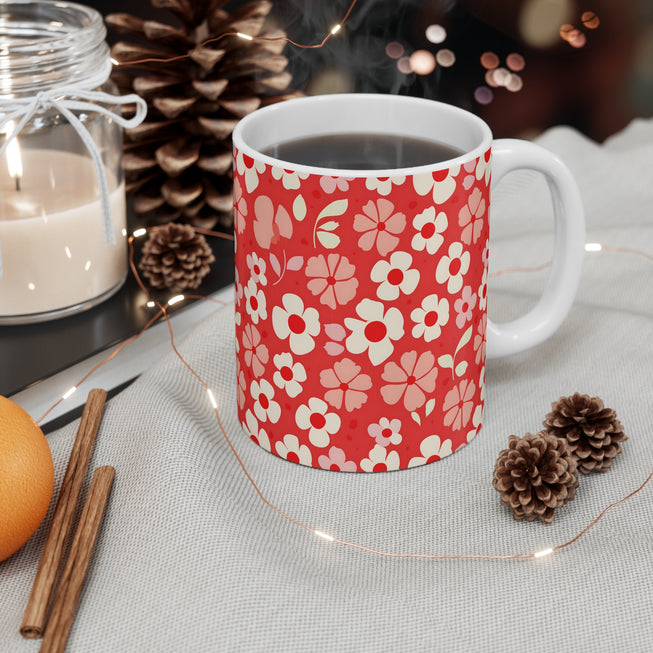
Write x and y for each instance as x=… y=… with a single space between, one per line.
x=250 y=169
x=255 y=302
x=383 y=185
x=291 y=450
x=482 y=292
x=432 y=449
x=430 y=227
x=315 y=418
x=290 y=180
x=289 y=375
x=380 y=460
x=375 y=331
x=300 y=325
x=452 y=268
x=386 y=431
x=395 y=276
x=257 y=267
x=441 y=182
x=430 y=317
x=476 y=421
x=265 y=408
x=256 y=433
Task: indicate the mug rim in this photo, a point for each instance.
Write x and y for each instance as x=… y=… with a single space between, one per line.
x=239 y=136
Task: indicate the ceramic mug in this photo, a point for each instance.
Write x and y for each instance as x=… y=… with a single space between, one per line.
x=361 y=295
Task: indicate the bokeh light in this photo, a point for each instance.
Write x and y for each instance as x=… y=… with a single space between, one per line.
x=515 y=83
x=489 y=60
x=403 y=64
x=394 y=49
x=445 y=58
x=515 y=62
x=422 y=62
x=436 y=33
x=576 y=39
x=489 y=79
x=501 y=76
x=539 y=21
x=483 y=95
x=565 y=30
x=590 y=20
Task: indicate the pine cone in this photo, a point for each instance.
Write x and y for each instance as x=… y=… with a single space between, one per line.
x=535 y=475
x=178 y=161
x=175 y=257
x=592 y=431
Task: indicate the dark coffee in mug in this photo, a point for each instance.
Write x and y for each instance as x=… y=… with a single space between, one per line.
x=362 y=151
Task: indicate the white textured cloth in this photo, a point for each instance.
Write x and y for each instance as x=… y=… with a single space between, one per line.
x=190 y=559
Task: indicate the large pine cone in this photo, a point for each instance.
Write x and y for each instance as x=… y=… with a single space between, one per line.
x=535 y=475
x=592 y=431
x=175 y=257
x=178 y=161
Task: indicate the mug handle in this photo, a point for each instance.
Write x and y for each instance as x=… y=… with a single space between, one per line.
x=569 y=228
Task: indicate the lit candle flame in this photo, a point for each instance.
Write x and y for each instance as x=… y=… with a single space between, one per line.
x=14 y=161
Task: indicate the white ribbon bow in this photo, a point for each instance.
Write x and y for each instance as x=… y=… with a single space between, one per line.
x=22 y=110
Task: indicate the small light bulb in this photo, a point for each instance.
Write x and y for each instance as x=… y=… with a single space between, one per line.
x=326 y=536
x=214 y=403
x=175 y=300
x=115 y=62
x=247 y=37
x=139 y=232
x=335 y=29
x=593 y=247
x=150 y=304
x=541 y=554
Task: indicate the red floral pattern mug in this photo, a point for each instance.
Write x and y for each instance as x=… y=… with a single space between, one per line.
x=361 y=296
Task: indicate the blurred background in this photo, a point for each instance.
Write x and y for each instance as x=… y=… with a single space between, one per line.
x=523 y=65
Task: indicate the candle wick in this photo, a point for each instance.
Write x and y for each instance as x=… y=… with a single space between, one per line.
x=17 y=180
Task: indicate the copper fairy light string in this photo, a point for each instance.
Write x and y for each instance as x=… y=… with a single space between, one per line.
x=247 y=37
x=162 y=312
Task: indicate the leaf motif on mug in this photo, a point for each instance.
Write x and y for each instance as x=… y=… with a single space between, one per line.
x=461 y=368
x=446 y=361
x=276 y=266
x=299 y=208
x=338 y=207
x=430 y=405
x=416 y=417
x=467 y=336
x=295 y=263
x=328 y=240
x=329 y=226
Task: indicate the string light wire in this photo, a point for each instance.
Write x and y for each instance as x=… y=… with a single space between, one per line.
x=162 y=312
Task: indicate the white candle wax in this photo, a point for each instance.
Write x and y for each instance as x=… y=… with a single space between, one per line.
x=51 y=235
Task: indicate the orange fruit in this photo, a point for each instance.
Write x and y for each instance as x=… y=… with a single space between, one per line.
x=26 y=477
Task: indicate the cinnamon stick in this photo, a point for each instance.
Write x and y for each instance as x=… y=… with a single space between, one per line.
x=36 y=612
x=72 y=579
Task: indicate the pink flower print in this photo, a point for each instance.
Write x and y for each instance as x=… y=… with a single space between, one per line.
x=380 y=460
x=257 y=267
x=387 y=431
x=410 y=380
x=453 y=267
x=485 y=256
x=375 y=331
x=242 y=389
x=256 y=354
x=432 y=449
x=430 y=227
x=464 y=306
x=240 y=207
x=256 y=433
x=250 y=169
x=255 y=302
x=480 y=340
x=345 y=382
x=383 y=185
x=332 y=184
x=289 y=179
x=336 y=461
x=442 y=183
x=430 y=317
x=458 y=405
x=269 y=225
x=289 y=375
x=290 y=449
x=315 y=418
x=470 y=217
x=300 y=325
x=265 y=408
x=332 y=278
x=395 y=276
x=482 y=292
x=379 y=225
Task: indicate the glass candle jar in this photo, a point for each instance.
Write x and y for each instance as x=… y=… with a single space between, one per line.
x=62 y=192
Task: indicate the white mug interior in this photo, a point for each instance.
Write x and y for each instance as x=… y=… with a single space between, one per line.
x=356 y=113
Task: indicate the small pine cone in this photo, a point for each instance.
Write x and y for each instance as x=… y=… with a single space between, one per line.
x=592 y=431
x=176 y=257
x=535 y=475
